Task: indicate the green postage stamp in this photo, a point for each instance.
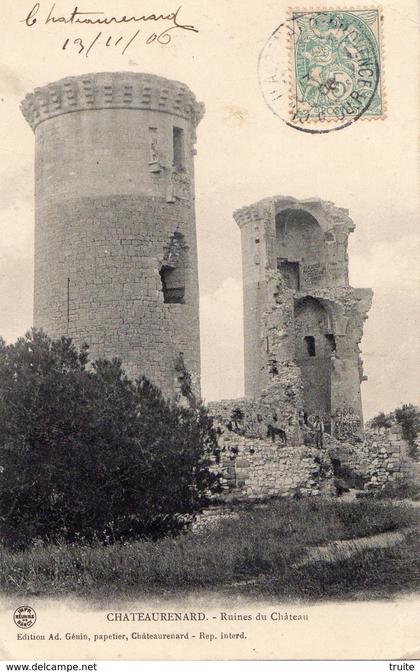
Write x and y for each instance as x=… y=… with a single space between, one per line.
x=335 y=65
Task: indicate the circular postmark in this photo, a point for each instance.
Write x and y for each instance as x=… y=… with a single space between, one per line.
x=319 y=71
x=24 y=617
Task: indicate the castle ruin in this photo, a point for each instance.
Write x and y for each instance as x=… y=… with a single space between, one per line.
x=299 y=311
x=116 y=267
x=302 y=327
x=115 y=238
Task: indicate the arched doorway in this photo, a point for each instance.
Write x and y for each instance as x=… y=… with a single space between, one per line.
x=314 y=343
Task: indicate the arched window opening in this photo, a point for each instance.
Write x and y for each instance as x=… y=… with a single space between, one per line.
x=300 y=249
x=310 y=346
x=297 y=232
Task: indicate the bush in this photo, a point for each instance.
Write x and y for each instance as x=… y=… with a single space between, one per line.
x=407 y=416
x=381 y=420
x=87 y=453
x=346 y=477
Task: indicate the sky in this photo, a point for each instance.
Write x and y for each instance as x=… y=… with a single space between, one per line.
x=245 y=153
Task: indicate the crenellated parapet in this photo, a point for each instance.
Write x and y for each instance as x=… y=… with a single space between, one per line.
x=111 y=90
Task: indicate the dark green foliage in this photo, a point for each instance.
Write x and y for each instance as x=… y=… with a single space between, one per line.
x=85 y=453
x=381 y=420
x=346 y=477
x=408 y=418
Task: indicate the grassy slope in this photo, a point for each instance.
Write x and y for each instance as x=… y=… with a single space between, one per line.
x=263 y=545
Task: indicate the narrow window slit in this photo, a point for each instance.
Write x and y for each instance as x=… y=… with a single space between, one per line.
x=310 y=345
x=178 y=148
x=331 y=341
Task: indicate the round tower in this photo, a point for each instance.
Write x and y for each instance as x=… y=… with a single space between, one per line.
x=115 y=238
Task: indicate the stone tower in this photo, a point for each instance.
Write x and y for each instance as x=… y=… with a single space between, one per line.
x=303 y=322
x=115 y=238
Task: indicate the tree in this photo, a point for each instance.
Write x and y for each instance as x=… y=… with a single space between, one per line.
x=86 y=453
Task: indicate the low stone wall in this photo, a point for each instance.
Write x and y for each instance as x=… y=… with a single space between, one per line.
x=257 y=468
x=383 y=457
x=390 y=456
x=254 y=466
x=213 y=516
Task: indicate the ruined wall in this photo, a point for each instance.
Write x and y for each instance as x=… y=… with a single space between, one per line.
x=390 y=456
x=299 y=310
x=260 y=468
x=313 y=354
x=303 y=325
x=257 y=462
x=261 y=448
x=383 y=457
x=115 y=239
x=275 y=411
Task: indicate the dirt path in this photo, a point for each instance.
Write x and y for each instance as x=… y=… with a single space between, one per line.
x=339 y=550
x=345 y=548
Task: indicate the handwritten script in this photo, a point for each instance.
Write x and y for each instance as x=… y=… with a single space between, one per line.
x=164 y=24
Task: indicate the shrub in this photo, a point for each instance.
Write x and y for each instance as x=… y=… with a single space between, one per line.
x=346 y=477
x=87 y=453
x=381 y=420
x=407 y=416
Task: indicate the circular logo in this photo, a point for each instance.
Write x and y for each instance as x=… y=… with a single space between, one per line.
x=319 y=71
x=24 y=617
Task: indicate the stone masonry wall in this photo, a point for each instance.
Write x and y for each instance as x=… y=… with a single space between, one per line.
x=276 y=410
x=299 y=309
x=114 y=189
x=259 y=459
x=383 y=457
x=390 y=457
x=257 y=468
x=97 y=280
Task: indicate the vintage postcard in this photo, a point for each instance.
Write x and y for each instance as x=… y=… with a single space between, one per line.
x=209 y=308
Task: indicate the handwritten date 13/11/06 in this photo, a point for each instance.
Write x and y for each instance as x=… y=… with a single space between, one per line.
x=83 y=46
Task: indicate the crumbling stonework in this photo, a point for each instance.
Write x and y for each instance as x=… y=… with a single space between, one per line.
x=116 y=267
x=384 y=456
x=261 y=468
x=115 y=239
x=275 y=410
x=303 y=324
x=299 y=310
